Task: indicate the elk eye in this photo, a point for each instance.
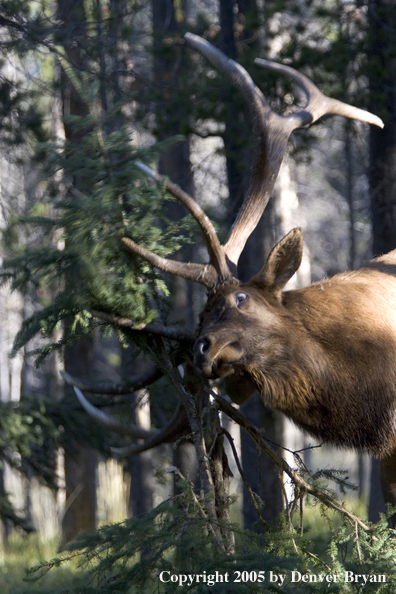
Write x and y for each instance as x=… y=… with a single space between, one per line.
x=240 y=298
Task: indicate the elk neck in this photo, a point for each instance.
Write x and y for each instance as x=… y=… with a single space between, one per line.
x=334 y=370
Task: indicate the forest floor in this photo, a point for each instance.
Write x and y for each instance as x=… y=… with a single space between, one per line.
x=22 y=552
x=26 y=551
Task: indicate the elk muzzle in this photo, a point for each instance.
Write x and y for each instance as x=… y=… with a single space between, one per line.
x=215 y=355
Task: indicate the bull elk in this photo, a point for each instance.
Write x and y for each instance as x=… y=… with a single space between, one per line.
x=324 y=355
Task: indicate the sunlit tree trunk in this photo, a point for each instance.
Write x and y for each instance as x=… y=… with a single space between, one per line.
x=11 y=307
x=287 y=212
x=80 y=462
x=141 y=467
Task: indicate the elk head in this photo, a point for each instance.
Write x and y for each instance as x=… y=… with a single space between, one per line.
x=241 y=323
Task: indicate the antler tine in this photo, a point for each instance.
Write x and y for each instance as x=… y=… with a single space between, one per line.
x=177 y=426
x=237 y=73
x=137 y=382
x=319 y=104
x=207 y=274
x=152 y=438
x=109 y=421
x=202 y=273
x=216 y=253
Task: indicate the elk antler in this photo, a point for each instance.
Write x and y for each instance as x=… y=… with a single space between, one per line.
x=271 y=134
x=176 y=426
x=216 y=253
x=136 y=382
x=319 y=104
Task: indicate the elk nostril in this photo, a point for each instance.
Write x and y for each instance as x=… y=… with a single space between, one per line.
x=204 y=346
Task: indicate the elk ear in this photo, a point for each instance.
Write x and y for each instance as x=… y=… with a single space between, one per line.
x=283 y=261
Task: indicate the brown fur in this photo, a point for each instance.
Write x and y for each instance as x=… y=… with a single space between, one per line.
x=325 y=355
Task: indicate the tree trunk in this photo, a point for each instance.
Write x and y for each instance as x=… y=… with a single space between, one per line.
x=382 y=73
x=169 y=19
x=141 y=466
x=185 y=459
x=349 y=196
x=382 y=175
x=260 y=472
x=80 y=462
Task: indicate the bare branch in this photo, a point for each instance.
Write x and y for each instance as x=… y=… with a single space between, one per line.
x=177 y=472
x=246 y=482
x=191 y=406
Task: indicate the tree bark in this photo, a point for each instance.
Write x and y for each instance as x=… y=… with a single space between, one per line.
x=80 y=462
x=141 y=466
x=382 y=74
x=382 y=175
x=261 y=473
x=168 y=19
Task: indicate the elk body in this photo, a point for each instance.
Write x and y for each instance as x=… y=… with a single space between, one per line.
x=324 y=355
